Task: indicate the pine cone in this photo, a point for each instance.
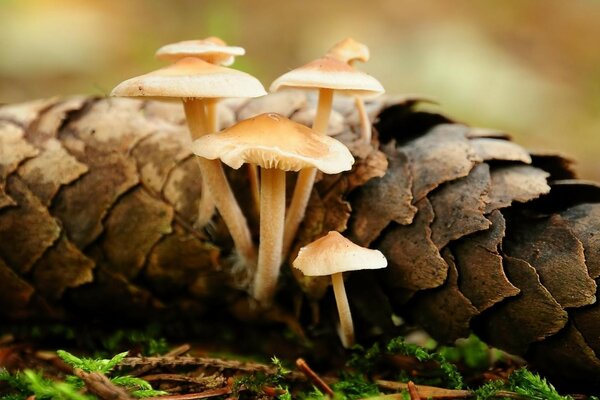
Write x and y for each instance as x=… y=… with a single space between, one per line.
x=98 y=199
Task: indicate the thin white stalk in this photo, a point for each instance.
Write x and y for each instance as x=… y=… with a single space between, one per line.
x=346 y=330
x=218 y=186
x=306 y=177
x=272 y=213
x=365 y=123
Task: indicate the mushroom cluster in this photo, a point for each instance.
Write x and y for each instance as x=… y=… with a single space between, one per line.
x=199 y=77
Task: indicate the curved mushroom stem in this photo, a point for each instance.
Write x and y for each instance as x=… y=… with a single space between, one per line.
x=216 y=181
x=272 y=214
x=346 y=330
x=306 y=177
x=365 y=123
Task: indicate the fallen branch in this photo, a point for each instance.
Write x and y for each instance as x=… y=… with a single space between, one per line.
x=206 y=362
x=178 y=351
x=101 y=386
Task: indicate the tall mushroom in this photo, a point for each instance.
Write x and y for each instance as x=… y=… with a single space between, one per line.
x=192 y=80
x=276 y=144
x=333 y=255
x=326 y=74
x=350 y=51
x=215 y=51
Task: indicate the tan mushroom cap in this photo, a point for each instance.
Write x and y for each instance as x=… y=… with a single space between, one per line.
x=273 y=141
x=333 y=253
x=349 y=50
x=330 y=73
x=191 y=78
x=211 y=47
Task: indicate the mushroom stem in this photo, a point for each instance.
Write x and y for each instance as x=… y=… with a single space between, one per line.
x=323 y=111
x=212 y=115
x=346 y=330
x=365 y=123
x=216 y=182
x=272 y=214
x=254 y=183
x=211 y=124
x=195 y=113
x=306 y=177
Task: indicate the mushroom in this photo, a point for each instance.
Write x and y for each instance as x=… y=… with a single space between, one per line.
x=326 y=74
x=276 y=144
x=350 y=51
x=333 y=255
x=215 y=51
x=212 y=50
x=193 y=80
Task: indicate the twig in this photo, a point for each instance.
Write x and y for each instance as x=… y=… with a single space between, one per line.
x=272 y=391
x=426 y=391
x=101 y=386
x=179 y=378
x=177 y=351
x=312 y=375
x=207 y=362
x=412 y=391
x=192 y=396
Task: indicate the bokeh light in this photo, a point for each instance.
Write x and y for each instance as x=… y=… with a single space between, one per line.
x=531 y=67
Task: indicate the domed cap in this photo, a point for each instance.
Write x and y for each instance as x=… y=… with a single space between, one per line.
x=273 y=141
x=191 y=78
x=349 y=50
x=211 y=49
x=330 y=73
x=333 y=253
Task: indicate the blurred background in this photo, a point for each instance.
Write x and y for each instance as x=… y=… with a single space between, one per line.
x=530 y=67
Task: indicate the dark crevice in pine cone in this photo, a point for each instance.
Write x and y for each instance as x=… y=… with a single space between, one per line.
x=98 y=200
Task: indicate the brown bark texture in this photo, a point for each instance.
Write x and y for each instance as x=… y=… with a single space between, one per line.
x=99 y=197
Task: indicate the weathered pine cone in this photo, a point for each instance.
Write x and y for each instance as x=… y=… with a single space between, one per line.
x=98 y=199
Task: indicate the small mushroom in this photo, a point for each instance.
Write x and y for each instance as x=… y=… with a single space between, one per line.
x=326 y=74
x=193 y=80
x=333 y=255
x=350 y=51
x=212 y=50
x=276 y=144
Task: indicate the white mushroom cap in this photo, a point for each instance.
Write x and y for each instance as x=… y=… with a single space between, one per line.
x=349 y=50
x=333 y=253
x=330 y=73
x=191 y=78
x=210 y=49
x=273 y=141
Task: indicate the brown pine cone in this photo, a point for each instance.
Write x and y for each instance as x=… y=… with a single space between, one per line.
x=98 y=199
